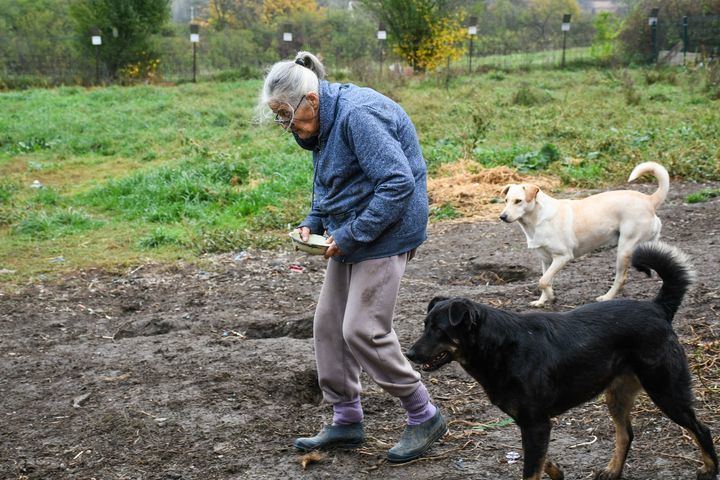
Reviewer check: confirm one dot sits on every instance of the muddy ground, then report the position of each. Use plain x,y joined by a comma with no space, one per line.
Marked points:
188,372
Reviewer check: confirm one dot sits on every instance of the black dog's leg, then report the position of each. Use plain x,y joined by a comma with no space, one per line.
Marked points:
620,398
684,415
535,439
669,387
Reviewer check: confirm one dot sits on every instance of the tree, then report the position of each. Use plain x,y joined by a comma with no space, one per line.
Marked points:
126,27
607,27
273,9
30,34
423,32
545,17
234,13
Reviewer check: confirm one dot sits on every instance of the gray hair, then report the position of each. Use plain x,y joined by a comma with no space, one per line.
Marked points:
288,81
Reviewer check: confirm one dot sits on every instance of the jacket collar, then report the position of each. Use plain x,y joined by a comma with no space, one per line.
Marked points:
329,95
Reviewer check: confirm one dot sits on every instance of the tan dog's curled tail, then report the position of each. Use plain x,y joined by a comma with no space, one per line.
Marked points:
662,176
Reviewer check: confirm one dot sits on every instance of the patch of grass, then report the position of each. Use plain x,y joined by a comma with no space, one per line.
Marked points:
703,195
444,212
584,174
712,80
44,225
632,96
7,192
209,240
528,96
192,189
46,196
33,144
160,237
500,156
539,160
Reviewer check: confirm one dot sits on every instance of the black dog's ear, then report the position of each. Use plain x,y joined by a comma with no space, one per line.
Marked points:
459,312
435,301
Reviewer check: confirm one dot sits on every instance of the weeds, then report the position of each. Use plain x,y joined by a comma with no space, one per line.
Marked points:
475,133
539,160
444,212
703,195
632,97
528,96
712,80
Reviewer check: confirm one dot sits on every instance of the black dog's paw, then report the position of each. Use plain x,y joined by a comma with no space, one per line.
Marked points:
606,475
705,475
554,471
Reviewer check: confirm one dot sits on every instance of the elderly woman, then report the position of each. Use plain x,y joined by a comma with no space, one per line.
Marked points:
370,197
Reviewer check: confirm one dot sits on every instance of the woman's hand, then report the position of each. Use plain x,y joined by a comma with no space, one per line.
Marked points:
304,233
333,250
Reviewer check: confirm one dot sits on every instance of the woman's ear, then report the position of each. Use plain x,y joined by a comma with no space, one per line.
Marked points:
313,99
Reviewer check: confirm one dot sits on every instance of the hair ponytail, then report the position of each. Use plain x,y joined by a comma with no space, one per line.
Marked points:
310,61
288,81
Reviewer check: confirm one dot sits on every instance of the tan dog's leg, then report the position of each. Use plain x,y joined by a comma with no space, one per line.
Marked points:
621,266
546,280
624,252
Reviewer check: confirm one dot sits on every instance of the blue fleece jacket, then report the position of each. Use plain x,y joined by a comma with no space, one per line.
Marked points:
370,178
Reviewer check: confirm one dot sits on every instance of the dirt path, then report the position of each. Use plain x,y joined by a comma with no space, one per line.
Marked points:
188,373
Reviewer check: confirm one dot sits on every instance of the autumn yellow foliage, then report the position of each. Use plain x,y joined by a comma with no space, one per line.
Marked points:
275,8
446,40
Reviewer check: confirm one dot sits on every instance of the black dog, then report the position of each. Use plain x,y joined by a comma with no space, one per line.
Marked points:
534,366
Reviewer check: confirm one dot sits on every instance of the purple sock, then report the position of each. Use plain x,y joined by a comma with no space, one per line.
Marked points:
418,406
347,413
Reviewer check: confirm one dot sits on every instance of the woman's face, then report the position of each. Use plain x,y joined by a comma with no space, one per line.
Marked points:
302,119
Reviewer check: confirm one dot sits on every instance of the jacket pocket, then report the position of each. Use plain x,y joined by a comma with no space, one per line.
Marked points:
335,221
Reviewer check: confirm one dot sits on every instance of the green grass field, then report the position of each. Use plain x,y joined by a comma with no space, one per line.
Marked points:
113,177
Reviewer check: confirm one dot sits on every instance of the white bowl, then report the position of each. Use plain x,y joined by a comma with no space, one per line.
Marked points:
314,246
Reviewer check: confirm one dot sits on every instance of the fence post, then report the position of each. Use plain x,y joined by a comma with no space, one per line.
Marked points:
194,39
381,36
685,38
472,31
652,20
565,29
97,41
287,38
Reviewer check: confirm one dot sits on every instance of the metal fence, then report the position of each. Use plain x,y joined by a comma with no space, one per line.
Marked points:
696,35
233,54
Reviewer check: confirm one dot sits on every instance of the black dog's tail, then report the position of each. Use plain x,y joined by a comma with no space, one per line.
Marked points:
672,266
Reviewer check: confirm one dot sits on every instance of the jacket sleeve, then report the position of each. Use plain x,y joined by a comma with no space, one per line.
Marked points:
372,134
314,223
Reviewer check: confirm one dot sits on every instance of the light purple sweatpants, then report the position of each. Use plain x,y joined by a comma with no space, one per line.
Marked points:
353,330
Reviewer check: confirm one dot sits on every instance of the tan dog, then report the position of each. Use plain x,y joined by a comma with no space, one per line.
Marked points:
560,230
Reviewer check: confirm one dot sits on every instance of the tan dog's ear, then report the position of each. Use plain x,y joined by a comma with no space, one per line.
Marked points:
531,192
505,190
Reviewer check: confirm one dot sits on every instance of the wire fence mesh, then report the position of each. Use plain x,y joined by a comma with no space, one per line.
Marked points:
237,54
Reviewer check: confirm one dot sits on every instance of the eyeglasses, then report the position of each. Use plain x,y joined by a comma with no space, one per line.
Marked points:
285,119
